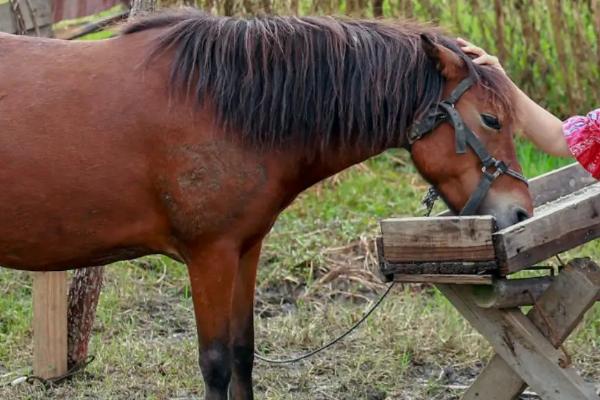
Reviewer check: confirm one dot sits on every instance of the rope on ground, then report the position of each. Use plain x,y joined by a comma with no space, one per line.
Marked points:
331,343
48,383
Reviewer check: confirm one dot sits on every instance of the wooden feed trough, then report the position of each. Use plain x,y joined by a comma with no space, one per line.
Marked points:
469,261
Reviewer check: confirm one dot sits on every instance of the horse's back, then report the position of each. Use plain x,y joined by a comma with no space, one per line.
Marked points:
100,163
75,160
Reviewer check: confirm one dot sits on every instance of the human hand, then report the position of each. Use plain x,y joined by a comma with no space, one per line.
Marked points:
481,56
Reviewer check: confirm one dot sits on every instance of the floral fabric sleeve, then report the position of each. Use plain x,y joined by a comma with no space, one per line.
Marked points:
583,137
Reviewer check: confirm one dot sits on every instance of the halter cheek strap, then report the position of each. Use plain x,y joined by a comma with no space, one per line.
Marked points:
445,111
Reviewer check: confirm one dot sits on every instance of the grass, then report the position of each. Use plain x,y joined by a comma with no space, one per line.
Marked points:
315,280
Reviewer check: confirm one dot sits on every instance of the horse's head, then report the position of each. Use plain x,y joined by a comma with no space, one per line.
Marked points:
464,146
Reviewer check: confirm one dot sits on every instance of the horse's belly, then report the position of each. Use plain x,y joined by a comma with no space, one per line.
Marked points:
61,240
66,220
43,261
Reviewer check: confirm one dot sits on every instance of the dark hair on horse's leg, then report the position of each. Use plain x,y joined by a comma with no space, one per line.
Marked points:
242,325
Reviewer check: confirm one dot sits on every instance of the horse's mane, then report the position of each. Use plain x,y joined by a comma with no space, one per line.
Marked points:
310,81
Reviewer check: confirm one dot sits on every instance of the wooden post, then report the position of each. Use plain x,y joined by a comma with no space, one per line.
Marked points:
49,324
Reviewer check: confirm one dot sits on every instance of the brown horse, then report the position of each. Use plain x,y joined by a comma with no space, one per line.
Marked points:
188,134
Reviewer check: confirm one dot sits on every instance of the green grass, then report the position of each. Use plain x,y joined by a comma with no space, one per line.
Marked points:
534,162
78,22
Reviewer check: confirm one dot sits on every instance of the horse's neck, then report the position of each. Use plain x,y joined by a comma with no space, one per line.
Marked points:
306,170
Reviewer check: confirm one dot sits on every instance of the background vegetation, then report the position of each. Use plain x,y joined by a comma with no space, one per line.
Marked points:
550,47
317,272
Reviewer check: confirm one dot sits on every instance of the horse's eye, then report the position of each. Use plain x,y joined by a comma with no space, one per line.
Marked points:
491,122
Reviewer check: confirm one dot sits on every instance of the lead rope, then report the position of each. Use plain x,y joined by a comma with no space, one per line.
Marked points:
48,383
332,342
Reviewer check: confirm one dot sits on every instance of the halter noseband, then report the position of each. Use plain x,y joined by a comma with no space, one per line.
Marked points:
444,111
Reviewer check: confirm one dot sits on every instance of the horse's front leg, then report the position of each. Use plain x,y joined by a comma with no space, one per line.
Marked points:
212,273
242,325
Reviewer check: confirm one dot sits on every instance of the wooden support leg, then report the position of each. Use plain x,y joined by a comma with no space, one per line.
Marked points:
49,324
562,306
523,348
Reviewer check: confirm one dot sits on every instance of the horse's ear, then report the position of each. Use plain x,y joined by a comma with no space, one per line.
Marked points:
448,62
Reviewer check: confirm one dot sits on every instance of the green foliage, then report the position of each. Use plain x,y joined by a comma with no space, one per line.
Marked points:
534,162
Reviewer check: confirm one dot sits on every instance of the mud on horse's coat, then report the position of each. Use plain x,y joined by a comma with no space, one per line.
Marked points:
189,134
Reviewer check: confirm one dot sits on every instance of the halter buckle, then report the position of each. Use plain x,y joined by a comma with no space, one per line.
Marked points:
500,167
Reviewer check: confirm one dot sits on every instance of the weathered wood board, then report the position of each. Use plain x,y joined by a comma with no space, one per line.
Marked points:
561,306
558,183
438,239
558,226
523,348
50,324
43,15
457,279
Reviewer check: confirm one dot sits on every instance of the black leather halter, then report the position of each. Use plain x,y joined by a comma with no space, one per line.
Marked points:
444,111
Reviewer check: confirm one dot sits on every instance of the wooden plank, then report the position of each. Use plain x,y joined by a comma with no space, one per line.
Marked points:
510,293
580,276
438,239
558,183
559,226
42,11
517,340
49,324
563,304
445,278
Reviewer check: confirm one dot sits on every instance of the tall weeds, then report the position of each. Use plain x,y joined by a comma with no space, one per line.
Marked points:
549,47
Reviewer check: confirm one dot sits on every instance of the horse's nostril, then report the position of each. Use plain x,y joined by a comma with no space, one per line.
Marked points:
521,214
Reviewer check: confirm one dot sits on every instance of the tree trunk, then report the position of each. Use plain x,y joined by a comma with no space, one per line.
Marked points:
267,7
209,5
351,7
142,7
228,6
502,53
378,8
294,6
556,18
595,5
408,8
83,299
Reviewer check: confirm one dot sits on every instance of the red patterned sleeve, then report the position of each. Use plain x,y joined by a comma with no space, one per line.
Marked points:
583,137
